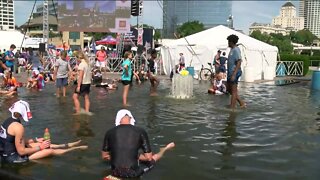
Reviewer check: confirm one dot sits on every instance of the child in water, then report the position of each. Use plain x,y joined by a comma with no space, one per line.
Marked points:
36,80
218,87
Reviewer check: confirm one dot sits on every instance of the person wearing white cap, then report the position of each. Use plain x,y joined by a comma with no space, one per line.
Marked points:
123,143
15,149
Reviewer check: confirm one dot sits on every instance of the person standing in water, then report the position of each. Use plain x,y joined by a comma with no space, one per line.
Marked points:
151,73
83,83
234,71
126,76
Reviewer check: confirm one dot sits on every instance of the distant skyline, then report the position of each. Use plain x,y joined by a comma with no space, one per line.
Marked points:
244,12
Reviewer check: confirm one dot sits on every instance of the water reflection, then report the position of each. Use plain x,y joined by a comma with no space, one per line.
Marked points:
228,137
81,126
151,120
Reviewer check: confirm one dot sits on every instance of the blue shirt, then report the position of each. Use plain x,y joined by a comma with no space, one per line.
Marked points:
233,58
10,55
124,76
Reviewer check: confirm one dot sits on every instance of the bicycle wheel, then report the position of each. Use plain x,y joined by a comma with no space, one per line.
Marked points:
205,74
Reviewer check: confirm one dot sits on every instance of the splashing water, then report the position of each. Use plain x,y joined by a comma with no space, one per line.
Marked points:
182,87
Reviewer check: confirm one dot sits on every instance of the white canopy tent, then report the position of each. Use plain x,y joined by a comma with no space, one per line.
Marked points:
259,58
10,37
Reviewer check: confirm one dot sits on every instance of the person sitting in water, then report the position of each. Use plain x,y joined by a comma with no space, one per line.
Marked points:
36,80
10,84
121,147
15,149
96,76
218,86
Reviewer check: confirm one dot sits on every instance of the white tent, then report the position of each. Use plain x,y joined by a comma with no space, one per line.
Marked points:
258,58
10,37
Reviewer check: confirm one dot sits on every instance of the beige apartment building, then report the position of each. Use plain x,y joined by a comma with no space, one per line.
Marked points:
288,18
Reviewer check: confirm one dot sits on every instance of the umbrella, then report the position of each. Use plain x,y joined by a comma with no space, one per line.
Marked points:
109,40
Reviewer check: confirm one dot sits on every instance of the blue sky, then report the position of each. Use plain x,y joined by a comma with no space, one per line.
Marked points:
245,12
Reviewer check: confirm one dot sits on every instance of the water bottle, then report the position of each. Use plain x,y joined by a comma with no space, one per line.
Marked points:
46,135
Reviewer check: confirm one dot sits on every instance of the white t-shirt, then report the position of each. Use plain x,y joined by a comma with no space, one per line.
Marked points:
86,72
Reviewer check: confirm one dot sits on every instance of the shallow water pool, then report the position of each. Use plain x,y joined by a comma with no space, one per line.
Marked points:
276,137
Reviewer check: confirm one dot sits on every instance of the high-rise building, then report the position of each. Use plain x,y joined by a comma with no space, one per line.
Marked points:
7,15
288,18
310,10
210,13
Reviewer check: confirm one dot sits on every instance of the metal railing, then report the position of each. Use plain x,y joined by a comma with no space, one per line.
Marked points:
289,68
315,63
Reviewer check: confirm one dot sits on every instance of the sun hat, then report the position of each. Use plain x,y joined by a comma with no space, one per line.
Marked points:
21,107
121,113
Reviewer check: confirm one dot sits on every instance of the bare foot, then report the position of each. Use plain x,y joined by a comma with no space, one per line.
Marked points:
126,105
74,143
82,147
76,114
153,94
170,146
243,105
89,113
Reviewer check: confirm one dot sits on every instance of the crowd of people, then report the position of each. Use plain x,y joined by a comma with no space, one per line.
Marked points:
14,148
122,143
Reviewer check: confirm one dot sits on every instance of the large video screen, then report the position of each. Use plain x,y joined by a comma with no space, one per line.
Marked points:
94,16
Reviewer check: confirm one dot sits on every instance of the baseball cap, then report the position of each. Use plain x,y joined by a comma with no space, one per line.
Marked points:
21,107
121,113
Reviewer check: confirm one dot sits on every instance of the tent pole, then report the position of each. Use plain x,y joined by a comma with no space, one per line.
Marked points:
192,52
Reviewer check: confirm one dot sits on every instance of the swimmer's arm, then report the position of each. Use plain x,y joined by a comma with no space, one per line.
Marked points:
20,142
126,69
145,157
105,155
55,72
81,72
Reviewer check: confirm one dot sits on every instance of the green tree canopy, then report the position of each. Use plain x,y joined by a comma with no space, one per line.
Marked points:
304,37
282,42
189,28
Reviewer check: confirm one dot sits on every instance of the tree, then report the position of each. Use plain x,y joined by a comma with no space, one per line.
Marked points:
259,36
304,37
282,42
189,28
157,34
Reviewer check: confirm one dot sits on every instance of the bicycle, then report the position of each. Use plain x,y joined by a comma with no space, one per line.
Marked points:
206,73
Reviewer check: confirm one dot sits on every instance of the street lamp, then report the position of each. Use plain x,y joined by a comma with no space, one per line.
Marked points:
230,21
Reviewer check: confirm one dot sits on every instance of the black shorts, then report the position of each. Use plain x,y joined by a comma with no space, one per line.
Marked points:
144,166
14,158
126,83
84,89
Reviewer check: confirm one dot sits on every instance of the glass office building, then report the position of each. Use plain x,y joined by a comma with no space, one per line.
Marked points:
210,13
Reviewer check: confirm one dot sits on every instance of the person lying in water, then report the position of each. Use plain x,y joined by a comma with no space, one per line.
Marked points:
122,144
15,149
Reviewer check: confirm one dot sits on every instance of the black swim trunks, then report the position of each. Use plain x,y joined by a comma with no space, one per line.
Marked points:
144,166
84,89
126,82
14,158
